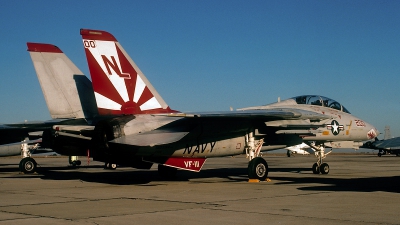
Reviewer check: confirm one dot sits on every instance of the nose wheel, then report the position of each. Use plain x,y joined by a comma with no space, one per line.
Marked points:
324,168
315,168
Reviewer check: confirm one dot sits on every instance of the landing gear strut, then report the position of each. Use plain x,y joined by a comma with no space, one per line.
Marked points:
27,164
258,167
319,166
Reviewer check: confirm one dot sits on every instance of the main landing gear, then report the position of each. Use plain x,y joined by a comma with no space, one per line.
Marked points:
27,164
258,167
74,161
319,166
110,166
384,152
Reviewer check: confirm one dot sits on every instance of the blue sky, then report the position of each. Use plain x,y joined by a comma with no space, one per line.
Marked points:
210,55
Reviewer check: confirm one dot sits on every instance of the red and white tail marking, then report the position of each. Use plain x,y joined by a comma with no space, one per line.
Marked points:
119,85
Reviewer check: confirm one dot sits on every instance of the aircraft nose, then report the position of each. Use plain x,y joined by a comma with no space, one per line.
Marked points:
372,132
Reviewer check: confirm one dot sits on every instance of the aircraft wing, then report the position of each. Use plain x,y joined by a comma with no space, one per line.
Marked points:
393,143
261,114
152,138
167,136
13,133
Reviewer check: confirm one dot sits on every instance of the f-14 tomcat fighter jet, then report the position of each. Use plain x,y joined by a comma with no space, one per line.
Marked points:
63,86
139,128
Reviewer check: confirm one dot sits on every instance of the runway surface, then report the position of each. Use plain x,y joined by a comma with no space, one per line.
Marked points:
360,189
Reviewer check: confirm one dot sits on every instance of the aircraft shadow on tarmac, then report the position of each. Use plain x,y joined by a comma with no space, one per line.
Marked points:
326,183
124,176
150,177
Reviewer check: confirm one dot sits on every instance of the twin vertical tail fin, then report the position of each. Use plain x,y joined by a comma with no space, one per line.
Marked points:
119,85
67,91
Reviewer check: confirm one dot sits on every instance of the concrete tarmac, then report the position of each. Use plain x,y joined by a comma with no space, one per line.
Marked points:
360,189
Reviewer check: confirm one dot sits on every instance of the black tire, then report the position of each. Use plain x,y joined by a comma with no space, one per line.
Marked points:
27,165
315,168
324,168
78,162
166,171
379,154
258,169
112,166
288,153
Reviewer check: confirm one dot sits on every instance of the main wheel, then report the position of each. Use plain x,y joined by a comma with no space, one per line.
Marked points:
110,166
288,153
324,168
166,171
258,169
379,154
27,165
315,168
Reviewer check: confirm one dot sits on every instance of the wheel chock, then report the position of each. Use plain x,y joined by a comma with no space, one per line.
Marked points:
257,180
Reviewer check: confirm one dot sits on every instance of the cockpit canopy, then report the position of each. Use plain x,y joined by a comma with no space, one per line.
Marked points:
321,101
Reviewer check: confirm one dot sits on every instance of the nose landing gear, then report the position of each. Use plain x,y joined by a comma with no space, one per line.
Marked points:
319,166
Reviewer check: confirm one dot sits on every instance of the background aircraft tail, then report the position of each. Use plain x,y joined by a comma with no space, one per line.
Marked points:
119,85
388,135
67,91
